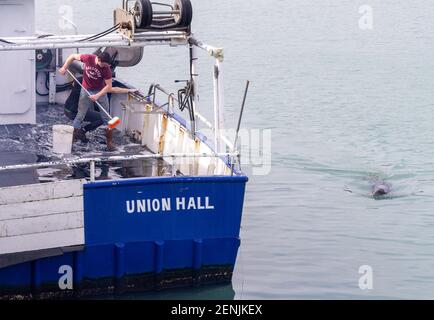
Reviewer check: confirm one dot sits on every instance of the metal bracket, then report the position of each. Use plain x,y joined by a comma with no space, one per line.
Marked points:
147,108
126,21
52,88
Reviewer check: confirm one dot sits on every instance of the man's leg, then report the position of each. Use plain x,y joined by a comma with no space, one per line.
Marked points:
95,119
83,107
70,115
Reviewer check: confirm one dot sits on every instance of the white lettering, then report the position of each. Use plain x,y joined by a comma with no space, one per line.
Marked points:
141,206
366,22
180,310
180,204
130,206
199,204
166,204
191,204
366,281
156,205
65,281
66,21
207,205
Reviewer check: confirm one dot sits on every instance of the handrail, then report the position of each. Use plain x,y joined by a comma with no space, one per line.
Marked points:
171,96
116,158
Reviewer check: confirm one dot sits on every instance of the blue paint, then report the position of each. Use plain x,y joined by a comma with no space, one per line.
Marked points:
36,276
78,267
120,244
110,222
19,275
159,256
139,257
120,260
198,249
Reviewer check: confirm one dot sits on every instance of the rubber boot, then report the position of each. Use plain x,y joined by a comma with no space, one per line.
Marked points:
79,134
109,137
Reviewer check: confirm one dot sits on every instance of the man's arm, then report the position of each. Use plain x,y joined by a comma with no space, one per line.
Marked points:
108,88
68,62
123,90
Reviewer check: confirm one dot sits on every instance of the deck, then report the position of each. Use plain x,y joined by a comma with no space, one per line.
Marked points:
26,144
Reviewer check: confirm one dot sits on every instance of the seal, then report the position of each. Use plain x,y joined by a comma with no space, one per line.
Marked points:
381,188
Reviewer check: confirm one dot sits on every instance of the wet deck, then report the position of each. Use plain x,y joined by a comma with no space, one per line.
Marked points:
25,144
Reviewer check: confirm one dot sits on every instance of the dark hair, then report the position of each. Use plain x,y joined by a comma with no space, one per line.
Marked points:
105,57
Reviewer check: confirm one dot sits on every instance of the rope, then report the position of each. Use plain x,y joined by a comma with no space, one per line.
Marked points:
4,41
91,38
101,34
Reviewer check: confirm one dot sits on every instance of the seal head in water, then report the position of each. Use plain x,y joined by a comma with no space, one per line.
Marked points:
381,188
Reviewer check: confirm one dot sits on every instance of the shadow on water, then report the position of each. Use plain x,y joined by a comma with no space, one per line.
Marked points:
215,292
207,292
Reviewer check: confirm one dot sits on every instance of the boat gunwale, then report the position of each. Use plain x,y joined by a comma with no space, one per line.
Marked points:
162,180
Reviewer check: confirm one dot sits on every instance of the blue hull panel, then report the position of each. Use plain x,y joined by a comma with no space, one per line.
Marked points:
142,234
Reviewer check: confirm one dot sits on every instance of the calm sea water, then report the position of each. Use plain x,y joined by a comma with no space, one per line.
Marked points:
344,105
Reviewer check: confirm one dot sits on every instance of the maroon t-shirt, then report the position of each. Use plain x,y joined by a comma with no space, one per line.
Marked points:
94,76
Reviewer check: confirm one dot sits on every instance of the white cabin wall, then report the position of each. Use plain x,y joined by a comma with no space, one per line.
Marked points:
17,81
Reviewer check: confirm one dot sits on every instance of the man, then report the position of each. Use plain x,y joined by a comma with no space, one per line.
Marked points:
97,79
93,116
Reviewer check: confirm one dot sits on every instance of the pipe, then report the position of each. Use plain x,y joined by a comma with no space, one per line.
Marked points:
218,104
116,41
241,114
116,158
67,38
212,51
193,77
216,108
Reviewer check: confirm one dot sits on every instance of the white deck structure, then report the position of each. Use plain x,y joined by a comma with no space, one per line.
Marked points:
17,84
43,216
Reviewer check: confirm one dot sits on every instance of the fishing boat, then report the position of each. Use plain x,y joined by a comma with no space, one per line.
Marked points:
163,211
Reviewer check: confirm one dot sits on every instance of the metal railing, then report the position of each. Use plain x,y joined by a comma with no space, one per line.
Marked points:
93,161
171,98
